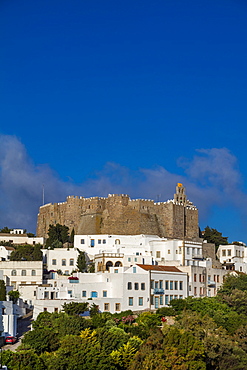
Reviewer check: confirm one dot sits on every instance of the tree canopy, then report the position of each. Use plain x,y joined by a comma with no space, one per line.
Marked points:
57,236
214,236
27,252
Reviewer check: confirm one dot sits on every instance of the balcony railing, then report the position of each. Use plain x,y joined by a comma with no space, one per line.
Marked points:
211,284
159,291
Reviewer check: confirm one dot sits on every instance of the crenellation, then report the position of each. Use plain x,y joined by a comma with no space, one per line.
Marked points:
118,214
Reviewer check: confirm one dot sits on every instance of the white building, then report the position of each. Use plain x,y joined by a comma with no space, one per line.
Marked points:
204,280
16,273
139,287
161,250
16,238
233,257
63,259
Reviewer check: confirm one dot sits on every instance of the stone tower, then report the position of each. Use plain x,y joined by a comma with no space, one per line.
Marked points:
118,214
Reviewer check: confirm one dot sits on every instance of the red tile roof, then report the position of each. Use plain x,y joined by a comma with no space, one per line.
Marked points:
159,268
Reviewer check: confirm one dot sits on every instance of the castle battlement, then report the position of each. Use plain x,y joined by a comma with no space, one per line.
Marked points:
118,214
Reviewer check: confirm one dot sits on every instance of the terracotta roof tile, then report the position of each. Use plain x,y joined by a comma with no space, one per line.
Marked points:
159,268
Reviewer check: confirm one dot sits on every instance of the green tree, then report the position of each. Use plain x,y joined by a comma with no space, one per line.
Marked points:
75,308
81,261
27,252
233,282
57,235
72,236
2,291
5,230
14,295
214,236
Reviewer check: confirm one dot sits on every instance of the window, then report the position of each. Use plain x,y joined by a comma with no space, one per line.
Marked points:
180,285
171,297
82,241
140,301
180,297
135,259
167,284
136,286
180,250
99,241
152,299
94,294
166,299
66,272
45,309
218,278
63,262
223,252
142,286
161,300
129,286
117,307
175,297
171,285
240,268
23,272
71,262
84,293
134,270
117,241
13,272
92,243
195,291
70,293
106,307
130,301
169,251
55,309
157,254
175,285
194,277
129,259
104,241
188,250
152,284
54,262
33,273
46,295
229,252
115,271
104,293
34,293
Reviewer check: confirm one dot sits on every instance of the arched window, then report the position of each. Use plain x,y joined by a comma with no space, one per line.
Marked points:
108,265
23,272
117,241
118,264
13,273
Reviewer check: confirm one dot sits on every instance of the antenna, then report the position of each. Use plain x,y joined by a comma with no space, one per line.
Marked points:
43,194
158,197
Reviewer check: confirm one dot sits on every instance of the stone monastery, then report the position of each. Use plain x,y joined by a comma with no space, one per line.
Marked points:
120,215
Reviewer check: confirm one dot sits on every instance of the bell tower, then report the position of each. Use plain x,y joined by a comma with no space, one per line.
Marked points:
180,196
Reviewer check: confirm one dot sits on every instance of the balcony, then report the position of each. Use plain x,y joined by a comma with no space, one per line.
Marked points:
196,256
211,284
159,291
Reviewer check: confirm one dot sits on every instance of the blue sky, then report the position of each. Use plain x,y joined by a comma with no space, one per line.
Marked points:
131,97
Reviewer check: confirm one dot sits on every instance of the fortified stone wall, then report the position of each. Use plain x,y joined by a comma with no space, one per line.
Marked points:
118,214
